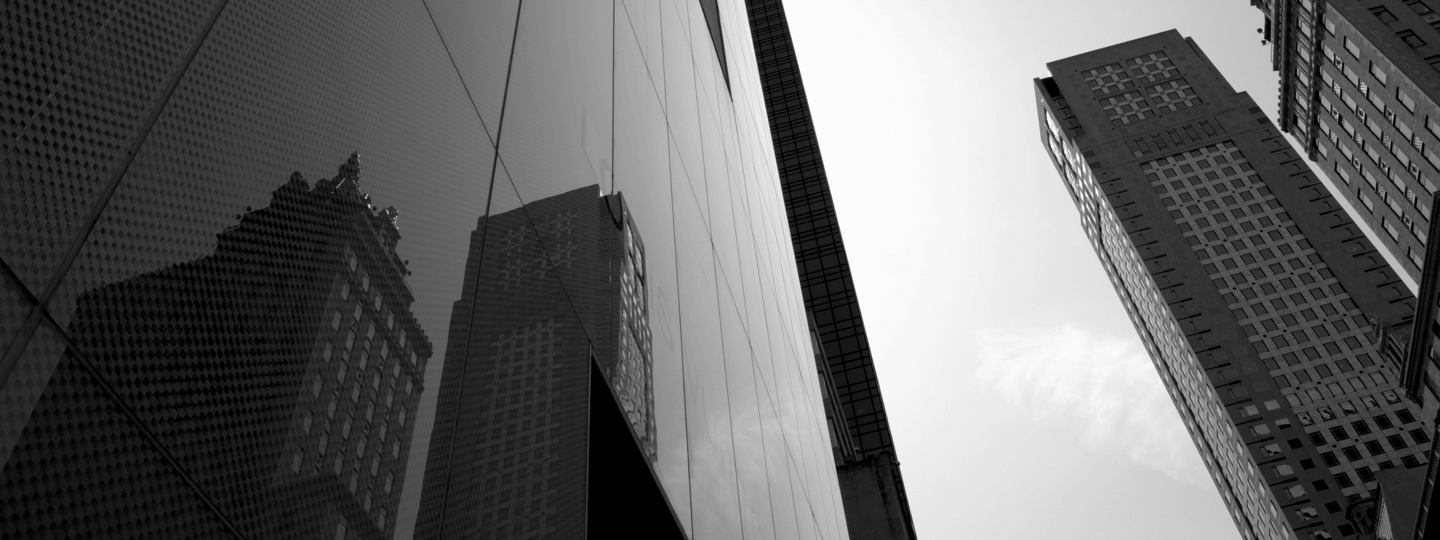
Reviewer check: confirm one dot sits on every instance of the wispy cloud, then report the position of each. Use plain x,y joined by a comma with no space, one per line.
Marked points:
1104,385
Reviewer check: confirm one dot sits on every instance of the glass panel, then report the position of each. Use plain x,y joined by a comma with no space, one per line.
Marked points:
712,461
642,19
681,107
65,133
478,36
15,305
804,508
642,176
559,115
80,448
753,482
777,462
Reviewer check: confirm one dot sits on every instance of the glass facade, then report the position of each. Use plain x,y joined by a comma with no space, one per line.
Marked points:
266,265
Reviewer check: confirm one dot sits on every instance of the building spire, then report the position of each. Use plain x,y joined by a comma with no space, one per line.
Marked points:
350,170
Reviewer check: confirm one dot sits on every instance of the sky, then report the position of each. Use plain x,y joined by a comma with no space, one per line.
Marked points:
1021,400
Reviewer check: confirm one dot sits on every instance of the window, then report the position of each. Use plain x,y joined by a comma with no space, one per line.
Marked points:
1361,427
1410,39
1365,474
1377,72
1374,448
1353,49
1383,14
1396,441
1419,7
1405,99
1383,421
1330,459
1343,479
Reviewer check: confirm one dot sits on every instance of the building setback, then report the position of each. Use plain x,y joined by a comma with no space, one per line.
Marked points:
876,504
283,371
1268,314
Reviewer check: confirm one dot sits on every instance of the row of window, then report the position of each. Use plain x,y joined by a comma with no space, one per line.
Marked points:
1216,183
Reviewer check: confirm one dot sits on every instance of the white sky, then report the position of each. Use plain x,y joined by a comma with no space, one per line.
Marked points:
1022,403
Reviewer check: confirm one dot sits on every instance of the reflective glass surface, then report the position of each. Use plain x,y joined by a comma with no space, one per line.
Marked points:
344,270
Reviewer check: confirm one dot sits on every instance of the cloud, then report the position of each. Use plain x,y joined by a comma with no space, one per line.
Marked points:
1106,386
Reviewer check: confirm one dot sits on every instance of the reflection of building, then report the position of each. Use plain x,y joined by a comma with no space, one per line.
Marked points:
519,419
1251,289
282,371
876,504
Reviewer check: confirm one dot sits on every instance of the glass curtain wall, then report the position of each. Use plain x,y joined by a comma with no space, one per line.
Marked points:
237,234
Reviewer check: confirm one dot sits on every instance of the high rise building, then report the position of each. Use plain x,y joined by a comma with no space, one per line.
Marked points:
876,504
1254,293
133,135
298,434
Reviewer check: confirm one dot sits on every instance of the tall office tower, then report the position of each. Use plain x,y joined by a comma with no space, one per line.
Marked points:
1252,290
876,505
133,134
294,436
555,291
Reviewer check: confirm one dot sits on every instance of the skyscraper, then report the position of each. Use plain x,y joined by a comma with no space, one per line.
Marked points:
876,504
299,435
1255,295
